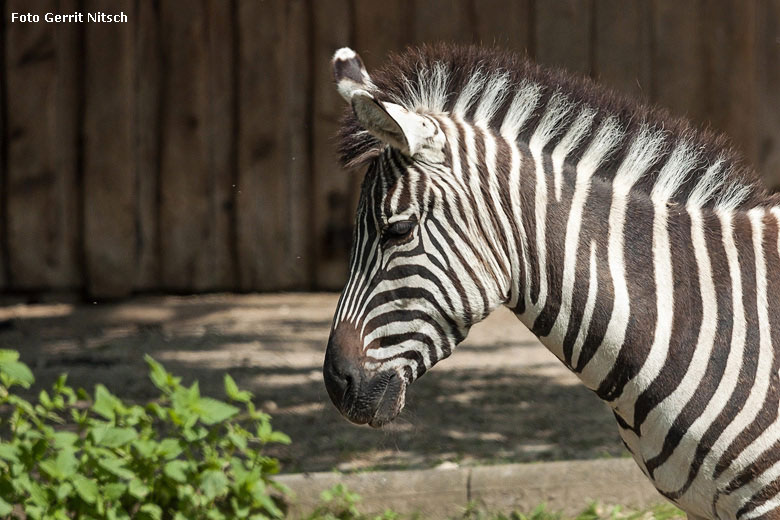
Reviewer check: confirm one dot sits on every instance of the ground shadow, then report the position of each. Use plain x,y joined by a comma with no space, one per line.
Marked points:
463,414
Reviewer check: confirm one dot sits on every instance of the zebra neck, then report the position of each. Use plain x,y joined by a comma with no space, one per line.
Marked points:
617,283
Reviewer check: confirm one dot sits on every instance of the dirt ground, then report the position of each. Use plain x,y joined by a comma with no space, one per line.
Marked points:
501,397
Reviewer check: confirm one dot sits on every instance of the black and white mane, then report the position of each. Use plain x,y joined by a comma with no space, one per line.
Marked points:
447,79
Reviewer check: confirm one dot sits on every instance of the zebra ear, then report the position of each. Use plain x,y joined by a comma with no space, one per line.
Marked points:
349,72
390,123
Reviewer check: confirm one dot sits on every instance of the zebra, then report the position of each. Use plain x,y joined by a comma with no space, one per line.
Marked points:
640,250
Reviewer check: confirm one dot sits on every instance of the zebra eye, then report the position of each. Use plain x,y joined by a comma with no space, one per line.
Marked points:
399,229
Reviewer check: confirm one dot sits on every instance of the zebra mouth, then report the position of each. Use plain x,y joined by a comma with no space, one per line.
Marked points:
375,401
390,402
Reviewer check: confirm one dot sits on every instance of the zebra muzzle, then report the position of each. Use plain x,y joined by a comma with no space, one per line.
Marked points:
363,397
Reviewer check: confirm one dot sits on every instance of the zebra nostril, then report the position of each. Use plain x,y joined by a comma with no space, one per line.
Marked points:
348,381
343,369
341,376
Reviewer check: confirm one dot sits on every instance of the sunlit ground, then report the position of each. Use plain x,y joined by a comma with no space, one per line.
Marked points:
501,397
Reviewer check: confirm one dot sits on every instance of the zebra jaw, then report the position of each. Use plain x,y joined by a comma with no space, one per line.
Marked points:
362,395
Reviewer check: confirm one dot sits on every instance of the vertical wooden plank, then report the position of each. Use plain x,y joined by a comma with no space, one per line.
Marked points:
768,78
220,136
297,148
563,34
273,208
195,166
621,50
3,151
677,69
333,221
42,99
381,28
444,20
109,167
147,138
259,187
729,55
504,24
185,227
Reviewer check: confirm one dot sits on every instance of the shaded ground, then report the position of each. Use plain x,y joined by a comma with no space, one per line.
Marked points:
501,397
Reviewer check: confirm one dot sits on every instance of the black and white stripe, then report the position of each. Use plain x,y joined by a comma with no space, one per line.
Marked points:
637,248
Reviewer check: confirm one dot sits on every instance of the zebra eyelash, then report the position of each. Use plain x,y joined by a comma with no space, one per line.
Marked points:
399,229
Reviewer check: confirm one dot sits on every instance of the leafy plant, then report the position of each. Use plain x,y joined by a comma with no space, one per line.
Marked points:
339,503
181,456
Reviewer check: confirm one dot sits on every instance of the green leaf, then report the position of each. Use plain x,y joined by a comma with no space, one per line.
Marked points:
279,437
8,356
44,399
65,439
66,463
213,483
113,436
238,440
195,434
64,490
177,470
152,511
157,373
117,467
137,488
213,411
269,505
146,448
232,391
49,467
114,490
9,452
38,494
5,507
169,448
86,488
18,372
106,403
158,411
264,431
215,514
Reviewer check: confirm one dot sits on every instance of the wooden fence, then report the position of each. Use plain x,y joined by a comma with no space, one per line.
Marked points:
190,149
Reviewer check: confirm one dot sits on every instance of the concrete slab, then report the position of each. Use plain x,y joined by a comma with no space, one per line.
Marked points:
565,486
431,493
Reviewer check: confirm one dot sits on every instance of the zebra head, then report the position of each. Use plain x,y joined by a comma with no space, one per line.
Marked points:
413,289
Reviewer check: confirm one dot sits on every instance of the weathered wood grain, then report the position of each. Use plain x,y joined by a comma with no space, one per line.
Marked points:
274,146
258,191
42,195
444,20
504,24
220,135
191,149
678,72
3,155
332,222
730,83
381,28
195,169
563,34
109,154
298,262
185,226
148,135
621,46
768,84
